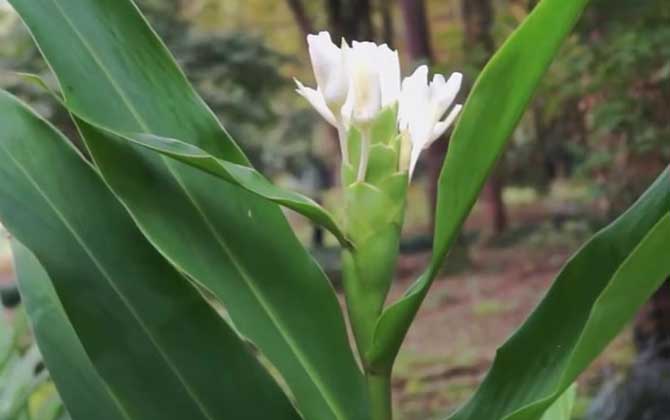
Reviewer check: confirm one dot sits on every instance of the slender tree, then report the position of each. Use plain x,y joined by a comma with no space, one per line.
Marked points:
301,18
417,30
479,46
652,326
385,8
420,50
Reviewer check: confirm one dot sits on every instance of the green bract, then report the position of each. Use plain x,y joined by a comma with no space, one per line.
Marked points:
128,258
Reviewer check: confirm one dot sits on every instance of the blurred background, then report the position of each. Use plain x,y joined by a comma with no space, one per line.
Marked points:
595,136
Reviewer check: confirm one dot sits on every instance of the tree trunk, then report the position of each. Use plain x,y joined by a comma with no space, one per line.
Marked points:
477,23
652,326
361,19
301,17
388,30
335,19
479,46
494,202
417,31
350,19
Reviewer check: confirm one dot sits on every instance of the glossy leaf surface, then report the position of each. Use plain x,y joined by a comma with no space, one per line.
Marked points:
84,392
562,407
598,291
139,320
116,74
243,176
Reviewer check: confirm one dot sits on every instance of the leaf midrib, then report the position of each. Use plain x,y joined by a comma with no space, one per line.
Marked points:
309,369
274,318
100,267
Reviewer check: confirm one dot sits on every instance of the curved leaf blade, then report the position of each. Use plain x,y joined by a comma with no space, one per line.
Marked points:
598,291
233,243
243,176
140,321
493,109
562,407
84,393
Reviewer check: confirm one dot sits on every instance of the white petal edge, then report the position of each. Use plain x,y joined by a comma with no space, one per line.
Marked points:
438,131
363,100
443,126
388,66
444,93
414,95
414,158
323,54
315,98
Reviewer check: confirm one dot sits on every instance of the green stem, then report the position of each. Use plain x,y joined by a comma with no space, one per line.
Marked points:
365,154
379,388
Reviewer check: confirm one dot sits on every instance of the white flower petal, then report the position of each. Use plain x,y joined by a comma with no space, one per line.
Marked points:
439,130
444,93
418,79
414,112
422,104
413,95
355,82
443,126
388,66
328,65
364,97
315,98
437,84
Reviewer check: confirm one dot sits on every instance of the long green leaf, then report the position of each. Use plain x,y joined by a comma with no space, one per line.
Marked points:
495,105
562,407
243,176
85,394
164,352
116,74
598,291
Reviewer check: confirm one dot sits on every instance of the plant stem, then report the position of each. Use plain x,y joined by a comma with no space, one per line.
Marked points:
364,156
344,146
379,388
